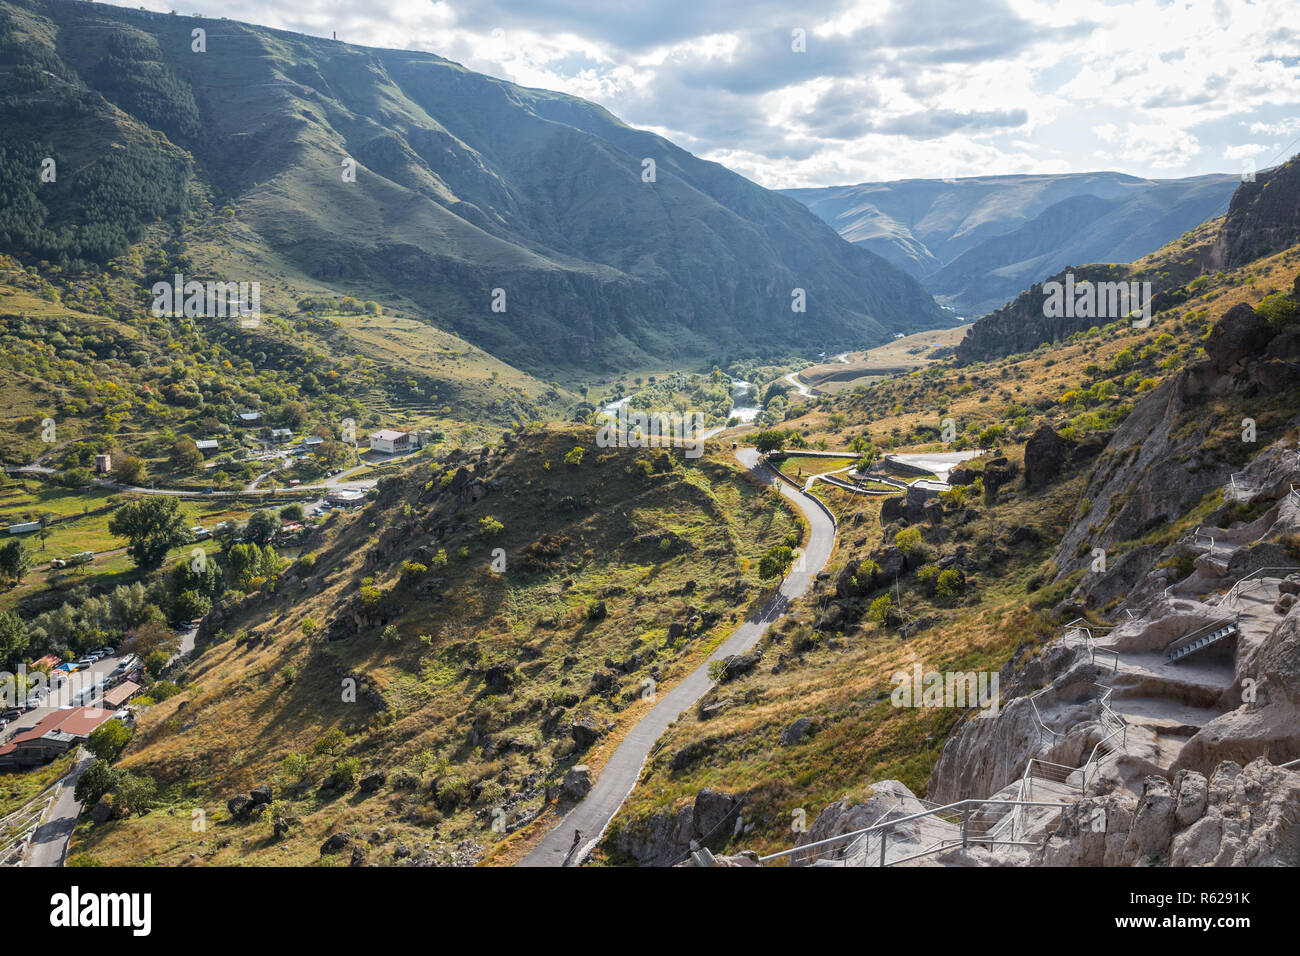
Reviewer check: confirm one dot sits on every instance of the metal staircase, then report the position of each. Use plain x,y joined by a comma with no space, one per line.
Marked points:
1202,638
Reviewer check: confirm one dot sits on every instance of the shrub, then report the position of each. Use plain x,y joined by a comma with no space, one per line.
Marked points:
881,610
330,742
345,772
950,585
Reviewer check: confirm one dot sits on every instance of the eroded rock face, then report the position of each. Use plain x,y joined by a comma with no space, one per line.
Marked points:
1241,333
667,838
1266,721
1046,453
1239,817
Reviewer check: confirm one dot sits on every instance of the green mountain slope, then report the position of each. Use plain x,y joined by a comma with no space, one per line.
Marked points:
464,185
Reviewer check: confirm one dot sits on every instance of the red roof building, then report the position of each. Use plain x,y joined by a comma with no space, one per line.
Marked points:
55,734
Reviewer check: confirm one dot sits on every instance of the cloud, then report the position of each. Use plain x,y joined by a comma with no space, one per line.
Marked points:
877,84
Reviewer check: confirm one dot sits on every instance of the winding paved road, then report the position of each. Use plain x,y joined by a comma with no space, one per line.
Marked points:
620,773
49,846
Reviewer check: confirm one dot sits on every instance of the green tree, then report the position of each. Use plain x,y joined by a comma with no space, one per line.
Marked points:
130,470
97,779
770,440
135,794
186,455
13,640
776,562
190,606
108,740
262,526
15,561
153,526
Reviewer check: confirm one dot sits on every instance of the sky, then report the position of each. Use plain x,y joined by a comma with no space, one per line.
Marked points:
830,92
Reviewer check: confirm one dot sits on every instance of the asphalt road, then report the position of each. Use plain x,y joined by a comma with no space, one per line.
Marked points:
620,774
49,843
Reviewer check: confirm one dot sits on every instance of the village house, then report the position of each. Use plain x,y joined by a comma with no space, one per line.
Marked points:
55,734
390,442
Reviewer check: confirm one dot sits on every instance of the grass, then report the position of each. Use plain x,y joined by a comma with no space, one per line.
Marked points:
440,722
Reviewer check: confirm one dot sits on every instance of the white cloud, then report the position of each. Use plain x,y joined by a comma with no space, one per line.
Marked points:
885,91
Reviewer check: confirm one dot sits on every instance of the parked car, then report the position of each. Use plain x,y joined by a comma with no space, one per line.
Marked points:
13,713
108,651
94,656
84,664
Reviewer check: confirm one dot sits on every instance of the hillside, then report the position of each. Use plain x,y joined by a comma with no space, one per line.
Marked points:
475,689
1260,222
1110,438
463,185
975,243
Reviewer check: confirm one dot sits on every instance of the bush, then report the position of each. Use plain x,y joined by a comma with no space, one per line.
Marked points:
345,772
950,585
909,539
163,690
881,610
330,742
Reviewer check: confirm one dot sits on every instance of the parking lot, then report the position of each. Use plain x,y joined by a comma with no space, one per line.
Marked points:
100,669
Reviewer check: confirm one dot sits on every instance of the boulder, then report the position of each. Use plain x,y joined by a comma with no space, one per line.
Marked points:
1240,334
796,732
1046,453
239,805
102,811
577,782
335,843
738,665
260,795
373,781
499,678
585,732
712,809
1153,821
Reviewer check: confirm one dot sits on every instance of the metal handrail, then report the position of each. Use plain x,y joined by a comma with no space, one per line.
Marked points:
890,824
1179,642
1235,591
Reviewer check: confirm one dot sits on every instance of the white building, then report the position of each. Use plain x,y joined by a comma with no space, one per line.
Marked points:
390,442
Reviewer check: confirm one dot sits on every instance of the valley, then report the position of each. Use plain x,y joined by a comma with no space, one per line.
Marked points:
557,497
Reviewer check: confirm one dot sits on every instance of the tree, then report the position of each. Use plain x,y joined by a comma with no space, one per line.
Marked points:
150,638
135,794
292,512
15,561
186,455
153,526
98,779
190,606
262,526
770,440
108,740
130,470
156,662
13,640
776,562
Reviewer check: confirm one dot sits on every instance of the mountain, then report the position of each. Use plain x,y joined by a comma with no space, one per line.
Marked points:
464,185
976,243
1262,219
